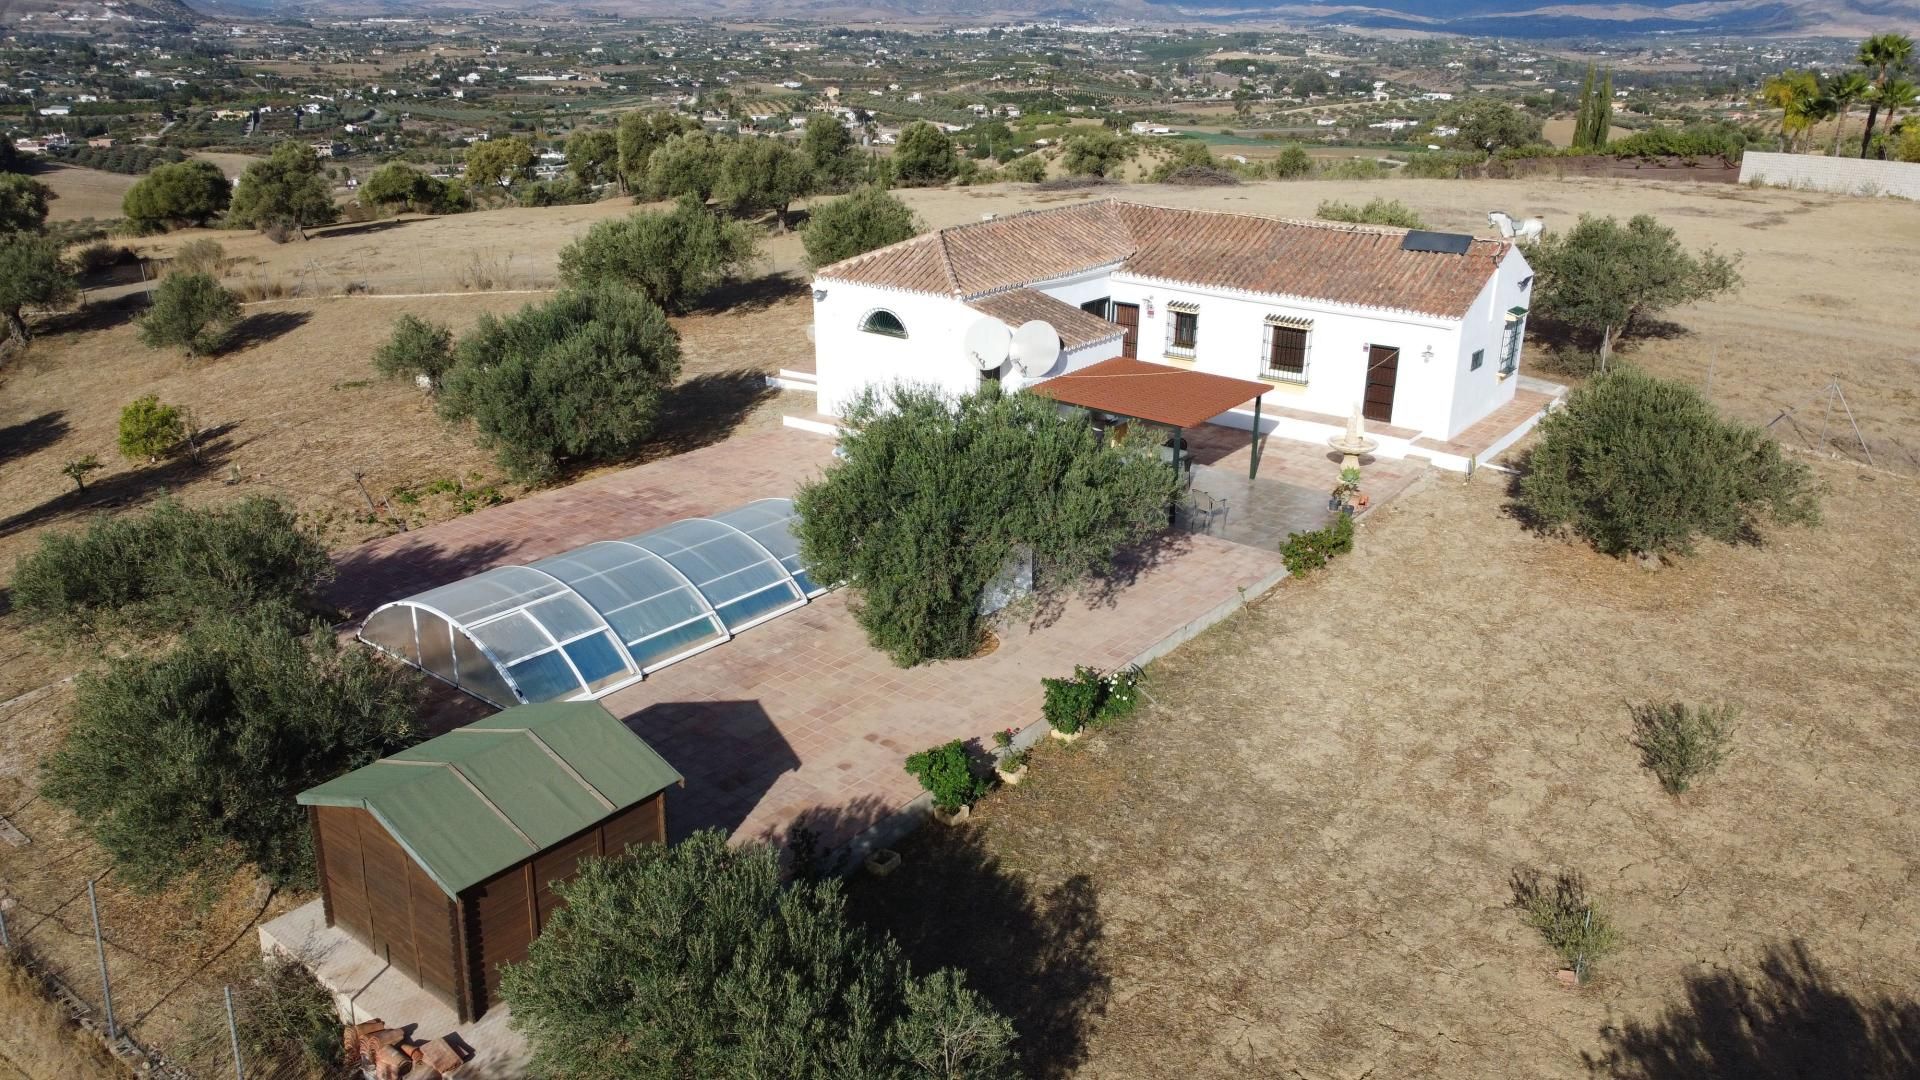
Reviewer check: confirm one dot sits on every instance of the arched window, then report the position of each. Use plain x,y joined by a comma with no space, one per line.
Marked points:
882,321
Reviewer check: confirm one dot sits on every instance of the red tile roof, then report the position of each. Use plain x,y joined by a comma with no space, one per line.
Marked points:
1359,265
1076,327
1144,390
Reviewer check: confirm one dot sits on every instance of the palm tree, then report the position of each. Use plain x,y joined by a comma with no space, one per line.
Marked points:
1845,91
1885,55
1796,94
1896,95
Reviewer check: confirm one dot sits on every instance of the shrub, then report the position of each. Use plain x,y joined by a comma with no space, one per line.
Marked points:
1635,464
1305,552
855,224
1071,704
1290,164
1375,212
417,349
1441,165
168,568
935,497
150,430
1026,169
186,765
1095,152
1119,694
1353,168
202,256
578,378
283,1015
724,972
947,773
1573,924
191,311
674,257
1680,744
32,274
177,196
100,255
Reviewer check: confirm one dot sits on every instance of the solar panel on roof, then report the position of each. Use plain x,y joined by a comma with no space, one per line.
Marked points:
1443,243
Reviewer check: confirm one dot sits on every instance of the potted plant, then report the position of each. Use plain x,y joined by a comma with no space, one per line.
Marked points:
946,771
1012,767
883,861
1346,496
1070,704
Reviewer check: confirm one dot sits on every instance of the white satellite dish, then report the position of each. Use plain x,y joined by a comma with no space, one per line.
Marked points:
1036,348
986,342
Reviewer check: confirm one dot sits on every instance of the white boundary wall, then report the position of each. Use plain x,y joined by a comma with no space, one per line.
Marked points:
1841,175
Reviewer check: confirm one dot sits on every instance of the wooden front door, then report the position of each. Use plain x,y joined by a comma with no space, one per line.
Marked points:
1128,318
1383,368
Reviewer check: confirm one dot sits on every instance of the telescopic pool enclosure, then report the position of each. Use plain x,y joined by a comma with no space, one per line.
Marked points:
585,623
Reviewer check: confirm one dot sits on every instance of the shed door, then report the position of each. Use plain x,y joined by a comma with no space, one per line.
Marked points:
1128,318
1383,369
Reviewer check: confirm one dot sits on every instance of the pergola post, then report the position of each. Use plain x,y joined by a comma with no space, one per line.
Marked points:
1253,467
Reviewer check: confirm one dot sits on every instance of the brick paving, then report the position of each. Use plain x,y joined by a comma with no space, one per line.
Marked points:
1473,442
798,718
1289,495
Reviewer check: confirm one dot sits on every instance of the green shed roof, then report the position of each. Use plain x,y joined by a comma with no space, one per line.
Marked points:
479,799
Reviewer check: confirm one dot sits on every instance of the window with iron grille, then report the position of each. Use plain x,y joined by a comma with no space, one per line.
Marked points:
1184,333
1479,357
1510,345
882,321
1286,354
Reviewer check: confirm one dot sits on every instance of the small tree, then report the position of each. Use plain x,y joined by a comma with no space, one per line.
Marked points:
32,274
396,186
169,568
763,174
592,156
935,497
1391,212
830,152
638,135
1573,924
177,196
579,378
78,469
23,203
187,764
867,219
685,164
1599,276
192,312
1635,464
695,961
1490,125
924,156
497,163
1290,164
674,257
1680,744
1094,152
416,350
150,430
285,193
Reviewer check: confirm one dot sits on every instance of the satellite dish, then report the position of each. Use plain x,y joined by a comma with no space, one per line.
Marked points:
1036,348
985,343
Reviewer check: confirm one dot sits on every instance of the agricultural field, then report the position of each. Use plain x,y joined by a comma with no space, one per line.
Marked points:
80,193
1452,703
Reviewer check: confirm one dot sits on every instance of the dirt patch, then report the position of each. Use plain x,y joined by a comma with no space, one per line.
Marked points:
1295,860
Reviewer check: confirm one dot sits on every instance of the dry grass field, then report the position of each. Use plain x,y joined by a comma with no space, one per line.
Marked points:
1296,860
83,193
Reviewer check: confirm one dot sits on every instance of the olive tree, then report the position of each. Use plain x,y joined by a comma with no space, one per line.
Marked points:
285,193
685,164
934,497
637,136
1645,466
694,962
177,196
578,378
497,163
763,174
675,257
417,350
1490,125
32,274
1095,152
1600,276
830,152
867,219
189,311
185,764
23,203
592,156
924,156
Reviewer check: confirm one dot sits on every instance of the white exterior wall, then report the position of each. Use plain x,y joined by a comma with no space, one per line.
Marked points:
1080,288
1477,393
848,359
1842,175
1232,334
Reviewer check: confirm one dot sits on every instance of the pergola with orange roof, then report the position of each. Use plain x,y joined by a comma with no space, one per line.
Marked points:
1178,398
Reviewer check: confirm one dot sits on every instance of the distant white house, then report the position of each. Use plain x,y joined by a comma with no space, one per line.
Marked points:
1141,127
1423,330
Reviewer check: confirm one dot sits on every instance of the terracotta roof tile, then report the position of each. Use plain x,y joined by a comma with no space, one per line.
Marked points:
1076,327
1159,393
1316,260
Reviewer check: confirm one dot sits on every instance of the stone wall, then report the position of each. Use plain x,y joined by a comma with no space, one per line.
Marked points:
1843,175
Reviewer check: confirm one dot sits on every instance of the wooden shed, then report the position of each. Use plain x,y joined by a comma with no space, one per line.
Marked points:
441,858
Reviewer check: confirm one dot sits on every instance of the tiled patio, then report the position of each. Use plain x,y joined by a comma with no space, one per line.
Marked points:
1289,495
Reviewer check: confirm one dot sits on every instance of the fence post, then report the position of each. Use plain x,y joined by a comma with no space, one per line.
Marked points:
233,1033
6,942
100,948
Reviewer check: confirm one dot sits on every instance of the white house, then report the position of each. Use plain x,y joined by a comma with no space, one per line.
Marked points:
1423,330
